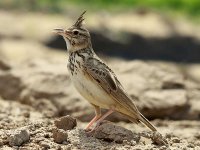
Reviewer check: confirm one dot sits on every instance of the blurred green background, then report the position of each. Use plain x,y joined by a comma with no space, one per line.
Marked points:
189,8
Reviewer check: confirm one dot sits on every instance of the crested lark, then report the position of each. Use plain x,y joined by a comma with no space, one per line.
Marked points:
94,80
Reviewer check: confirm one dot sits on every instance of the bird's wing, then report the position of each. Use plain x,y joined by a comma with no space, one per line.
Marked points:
106,78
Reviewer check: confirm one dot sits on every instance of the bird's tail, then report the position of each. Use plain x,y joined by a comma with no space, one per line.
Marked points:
147,123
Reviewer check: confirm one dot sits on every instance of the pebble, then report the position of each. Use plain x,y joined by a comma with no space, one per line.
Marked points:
111,132
66,123
45,144
19,137
59,135
190,145
175,140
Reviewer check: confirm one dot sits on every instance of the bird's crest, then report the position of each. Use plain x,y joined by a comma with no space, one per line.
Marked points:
79,21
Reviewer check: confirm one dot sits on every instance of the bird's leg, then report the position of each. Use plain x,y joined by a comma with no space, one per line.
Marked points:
102,118
97,116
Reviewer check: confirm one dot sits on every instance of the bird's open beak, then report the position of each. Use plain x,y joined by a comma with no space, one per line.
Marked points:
58,31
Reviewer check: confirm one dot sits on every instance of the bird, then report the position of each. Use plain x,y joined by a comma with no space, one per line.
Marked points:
94,80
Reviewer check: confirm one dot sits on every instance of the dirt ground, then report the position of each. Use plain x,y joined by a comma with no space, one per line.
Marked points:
16,117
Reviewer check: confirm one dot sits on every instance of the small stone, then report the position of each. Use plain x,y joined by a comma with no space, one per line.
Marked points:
133,143
27,114
19,137
111,132
190,145
59,135
175,140
45,144
156,137
65,123
197,143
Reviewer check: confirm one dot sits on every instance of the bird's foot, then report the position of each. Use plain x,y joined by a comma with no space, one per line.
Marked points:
91,131
87,130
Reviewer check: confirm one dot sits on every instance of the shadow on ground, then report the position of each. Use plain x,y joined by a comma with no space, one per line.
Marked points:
175,48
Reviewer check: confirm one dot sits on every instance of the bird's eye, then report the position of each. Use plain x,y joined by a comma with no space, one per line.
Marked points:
75,32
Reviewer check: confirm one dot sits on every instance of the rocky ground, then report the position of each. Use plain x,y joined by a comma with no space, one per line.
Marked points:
36,93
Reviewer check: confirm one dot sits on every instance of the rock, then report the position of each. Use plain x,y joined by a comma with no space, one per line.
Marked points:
190,145
46,107
65,123
164,103
11,86
19,137
44,80
156,137
193,71
148,76
110,132
24,50
194,103
4,65
47,81
160,88
59,135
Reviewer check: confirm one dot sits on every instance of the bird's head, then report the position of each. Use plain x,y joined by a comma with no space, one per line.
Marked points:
77,37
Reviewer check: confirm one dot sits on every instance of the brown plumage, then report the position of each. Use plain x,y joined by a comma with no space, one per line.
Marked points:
79,21
94,80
